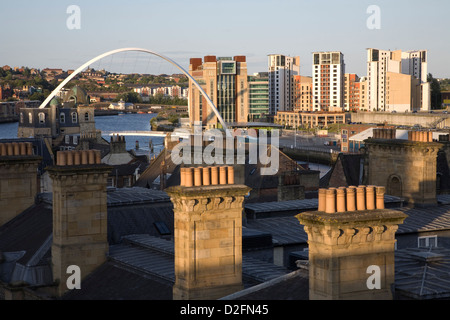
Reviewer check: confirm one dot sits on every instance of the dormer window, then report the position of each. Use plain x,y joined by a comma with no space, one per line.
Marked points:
74,117
62,118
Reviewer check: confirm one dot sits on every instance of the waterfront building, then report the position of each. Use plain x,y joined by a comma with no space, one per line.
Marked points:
225,81
71,116
282,70
310,119
397,81
328,80
302,93
258,88
352,92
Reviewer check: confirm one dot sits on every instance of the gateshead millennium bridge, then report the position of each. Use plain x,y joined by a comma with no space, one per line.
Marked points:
106,54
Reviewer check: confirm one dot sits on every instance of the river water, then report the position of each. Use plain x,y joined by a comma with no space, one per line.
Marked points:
122,123
126,123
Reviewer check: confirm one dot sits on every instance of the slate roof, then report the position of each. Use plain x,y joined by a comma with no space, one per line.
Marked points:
142,267
422,273
347,171
140,261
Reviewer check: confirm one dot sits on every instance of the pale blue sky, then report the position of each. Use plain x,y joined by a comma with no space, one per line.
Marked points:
34,32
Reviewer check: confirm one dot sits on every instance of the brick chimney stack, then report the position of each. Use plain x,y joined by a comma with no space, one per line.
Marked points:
208,233
18,178
79,213
351,234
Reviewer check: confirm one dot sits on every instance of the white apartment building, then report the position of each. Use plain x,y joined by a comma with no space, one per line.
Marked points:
415,63
328,69
282,70
383,65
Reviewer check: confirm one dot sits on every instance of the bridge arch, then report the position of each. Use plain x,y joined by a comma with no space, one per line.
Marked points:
106,54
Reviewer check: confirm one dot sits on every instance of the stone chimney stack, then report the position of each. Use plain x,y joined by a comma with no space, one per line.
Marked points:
18,178
208,233
79,213
351,241
407,168
118,144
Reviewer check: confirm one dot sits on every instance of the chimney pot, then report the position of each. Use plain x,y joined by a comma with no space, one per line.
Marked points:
322,200
10,149
214,176
360,198
69,158
223,175
3,150
380,197
230,175
331,200
182,176
84,157
77,158
340,200
206,176
197,177
189,182
23,149
370,198
351,198
61,158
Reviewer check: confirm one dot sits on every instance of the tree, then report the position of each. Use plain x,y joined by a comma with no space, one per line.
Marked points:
436,97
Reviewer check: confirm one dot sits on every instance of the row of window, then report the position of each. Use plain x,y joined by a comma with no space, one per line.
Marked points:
62,117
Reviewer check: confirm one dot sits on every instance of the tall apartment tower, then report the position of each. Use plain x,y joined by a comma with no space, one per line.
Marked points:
415,63
328,80
282,70
225,81
352,91
397,80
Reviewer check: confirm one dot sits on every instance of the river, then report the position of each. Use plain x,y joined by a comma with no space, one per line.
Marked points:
110,125
124,123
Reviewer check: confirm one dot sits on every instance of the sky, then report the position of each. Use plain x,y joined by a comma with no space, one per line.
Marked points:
35,32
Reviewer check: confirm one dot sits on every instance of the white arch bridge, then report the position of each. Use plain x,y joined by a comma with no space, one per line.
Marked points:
106,54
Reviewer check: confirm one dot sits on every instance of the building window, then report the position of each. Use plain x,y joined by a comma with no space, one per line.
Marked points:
62,118
110,182
86,116
427,242
74,117
30,117
394,186
41,116
21,117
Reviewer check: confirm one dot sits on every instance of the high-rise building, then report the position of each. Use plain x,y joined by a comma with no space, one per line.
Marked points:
352,91
407,71
282,70
224,80
258,88
328,80
415,63
302,93
363,94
